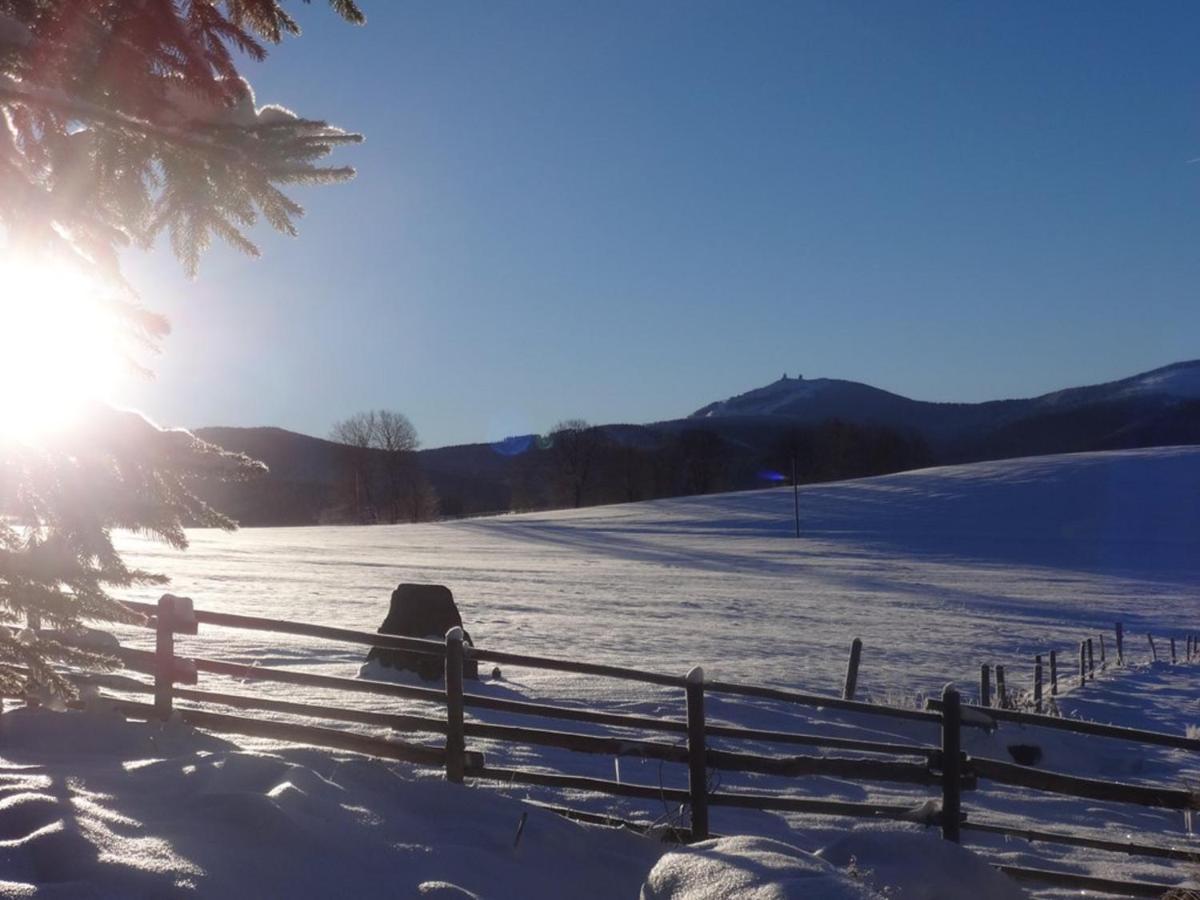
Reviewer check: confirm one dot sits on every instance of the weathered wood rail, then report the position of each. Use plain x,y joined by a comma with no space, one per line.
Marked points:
942,766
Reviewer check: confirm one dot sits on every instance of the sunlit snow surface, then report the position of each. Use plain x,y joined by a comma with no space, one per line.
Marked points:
936,571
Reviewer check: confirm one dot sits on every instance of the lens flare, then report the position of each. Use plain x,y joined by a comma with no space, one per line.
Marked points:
60,346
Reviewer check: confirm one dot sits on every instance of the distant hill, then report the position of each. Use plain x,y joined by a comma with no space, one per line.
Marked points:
835,428
1153,408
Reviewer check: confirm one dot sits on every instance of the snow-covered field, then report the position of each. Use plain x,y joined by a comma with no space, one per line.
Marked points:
936,571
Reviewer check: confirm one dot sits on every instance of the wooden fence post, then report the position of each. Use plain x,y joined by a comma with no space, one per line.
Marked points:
164,656
1172,650
1153,649
1103,662
1082,663
1091,661
697,754
1037,684
985,685
1120,644
852,669
951,763
1053,673
456,743
1001,689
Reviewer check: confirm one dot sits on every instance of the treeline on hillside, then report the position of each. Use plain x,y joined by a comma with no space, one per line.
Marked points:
580,465
372,472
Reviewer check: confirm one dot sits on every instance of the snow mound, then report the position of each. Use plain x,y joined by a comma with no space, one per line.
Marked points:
94,806
749,868
918,865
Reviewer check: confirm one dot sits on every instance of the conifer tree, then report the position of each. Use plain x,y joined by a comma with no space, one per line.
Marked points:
121,121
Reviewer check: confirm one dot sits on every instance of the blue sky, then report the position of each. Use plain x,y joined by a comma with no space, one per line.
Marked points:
623,211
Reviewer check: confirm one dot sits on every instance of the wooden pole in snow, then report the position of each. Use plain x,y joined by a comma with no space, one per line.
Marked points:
795,495
1153,649
852,669
1001,689
1120,644
951,763
456,743
1037,684
1053,673
697,754
1082,662
985,685
1091,661
1103,663
1172,651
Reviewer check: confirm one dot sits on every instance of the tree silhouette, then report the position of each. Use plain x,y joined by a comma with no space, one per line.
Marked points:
575,446
120,122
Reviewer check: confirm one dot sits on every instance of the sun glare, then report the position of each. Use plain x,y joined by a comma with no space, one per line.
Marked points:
60,347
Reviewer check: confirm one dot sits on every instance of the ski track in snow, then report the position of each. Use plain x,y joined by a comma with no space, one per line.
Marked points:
936,570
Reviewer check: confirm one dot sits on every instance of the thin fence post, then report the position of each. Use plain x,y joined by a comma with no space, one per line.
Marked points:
985,685
1001,689
852,669
1103,661
1120,644
1082,662
456,743
164,656
1153,649
1091,661
1053,673
697,754
951,763
1172,650
1037,683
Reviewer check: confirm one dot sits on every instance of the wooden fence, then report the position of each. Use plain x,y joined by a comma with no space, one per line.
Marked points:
1045,679
943,768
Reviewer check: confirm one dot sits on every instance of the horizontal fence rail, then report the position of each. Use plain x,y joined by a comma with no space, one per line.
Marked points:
1083,788
1079,726
682,742
1054,837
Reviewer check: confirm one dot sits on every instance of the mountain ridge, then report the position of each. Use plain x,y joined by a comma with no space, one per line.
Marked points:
838,428
812,400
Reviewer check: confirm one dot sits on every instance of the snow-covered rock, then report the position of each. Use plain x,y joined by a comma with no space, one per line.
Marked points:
749,868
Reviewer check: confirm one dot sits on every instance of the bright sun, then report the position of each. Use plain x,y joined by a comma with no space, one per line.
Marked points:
60,346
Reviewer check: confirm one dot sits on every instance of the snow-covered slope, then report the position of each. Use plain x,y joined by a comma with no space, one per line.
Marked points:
934,570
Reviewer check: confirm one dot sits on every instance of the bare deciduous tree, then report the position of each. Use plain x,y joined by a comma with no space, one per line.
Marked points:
357,435
381,459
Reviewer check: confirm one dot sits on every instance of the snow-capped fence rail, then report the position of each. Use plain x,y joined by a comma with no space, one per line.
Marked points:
944,767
